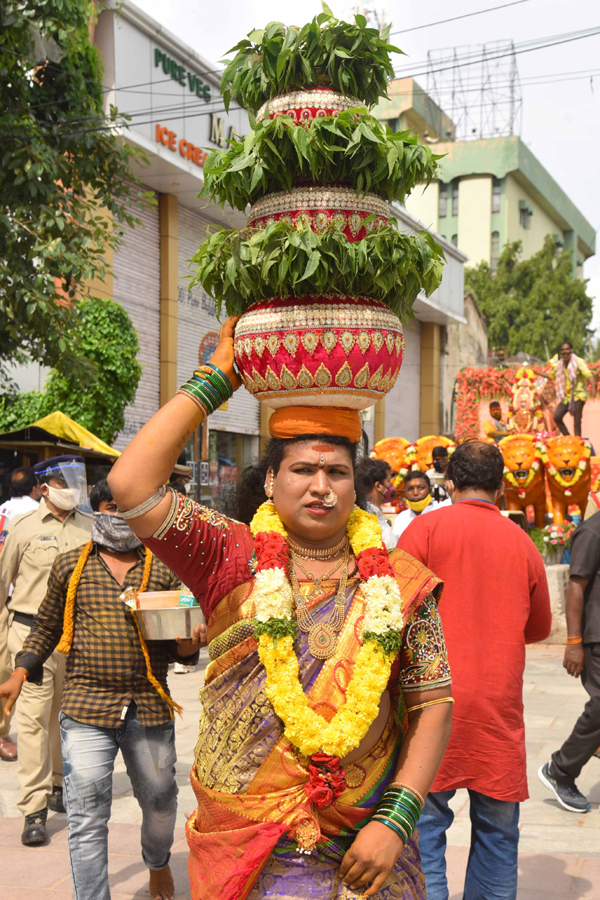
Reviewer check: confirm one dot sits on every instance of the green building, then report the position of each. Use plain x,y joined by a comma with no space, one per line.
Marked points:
490,192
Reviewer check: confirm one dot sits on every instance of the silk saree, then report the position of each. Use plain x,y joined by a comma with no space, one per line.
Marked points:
248,781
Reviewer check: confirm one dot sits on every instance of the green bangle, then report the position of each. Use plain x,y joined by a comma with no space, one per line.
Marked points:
398,809
403,797
217,379
399,831
205,397
204,384
206,379
222,375
387,801
195,399
398,818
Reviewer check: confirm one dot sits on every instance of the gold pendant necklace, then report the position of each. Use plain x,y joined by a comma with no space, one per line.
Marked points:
322,636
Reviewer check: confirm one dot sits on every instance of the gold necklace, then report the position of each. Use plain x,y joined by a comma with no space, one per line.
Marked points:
327,553
317,579
322,636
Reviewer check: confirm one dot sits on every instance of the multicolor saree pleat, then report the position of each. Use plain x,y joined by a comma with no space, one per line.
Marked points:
248,780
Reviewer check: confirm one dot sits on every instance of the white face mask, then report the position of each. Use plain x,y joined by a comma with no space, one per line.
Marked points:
64,498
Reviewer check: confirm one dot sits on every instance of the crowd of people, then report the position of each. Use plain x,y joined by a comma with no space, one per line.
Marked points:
447,712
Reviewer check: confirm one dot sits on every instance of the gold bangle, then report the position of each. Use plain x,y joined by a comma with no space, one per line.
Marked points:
407,787
430,703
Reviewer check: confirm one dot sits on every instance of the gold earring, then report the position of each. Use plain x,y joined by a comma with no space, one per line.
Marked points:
268,485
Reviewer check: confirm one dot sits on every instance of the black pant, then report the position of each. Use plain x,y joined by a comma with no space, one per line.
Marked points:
559,414
584,740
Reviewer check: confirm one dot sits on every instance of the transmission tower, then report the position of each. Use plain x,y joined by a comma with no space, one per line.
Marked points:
478,87
376,18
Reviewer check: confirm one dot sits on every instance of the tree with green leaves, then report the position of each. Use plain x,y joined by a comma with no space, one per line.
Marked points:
106,336
65,180
532,304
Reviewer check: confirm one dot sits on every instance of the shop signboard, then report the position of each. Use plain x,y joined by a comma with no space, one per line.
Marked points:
170,94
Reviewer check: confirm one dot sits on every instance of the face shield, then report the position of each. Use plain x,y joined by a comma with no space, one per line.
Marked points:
66,482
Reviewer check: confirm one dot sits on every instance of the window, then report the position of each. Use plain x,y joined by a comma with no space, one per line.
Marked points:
525,214
443,201
454,240
455,198
494,251
496,185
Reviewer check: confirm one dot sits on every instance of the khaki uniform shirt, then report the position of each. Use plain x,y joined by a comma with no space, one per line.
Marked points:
32,543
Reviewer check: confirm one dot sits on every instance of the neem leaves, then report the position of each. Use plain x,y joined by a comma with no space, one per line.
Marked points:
351,58
352,148
239,268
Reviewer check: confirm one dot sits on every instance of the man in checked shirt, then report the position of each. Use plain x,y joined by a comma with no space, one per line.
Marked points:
109,702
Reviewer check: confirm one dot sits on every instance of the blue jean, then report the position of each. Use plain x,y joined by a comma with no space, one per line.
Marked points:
88,762
492,869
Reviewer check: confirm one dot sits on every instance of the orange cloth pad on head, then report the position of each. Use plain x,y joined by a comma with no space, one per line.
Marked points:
292,421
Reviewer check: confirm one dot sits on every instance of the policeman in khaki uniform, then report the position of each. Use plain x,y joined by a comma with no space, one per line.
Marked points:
32,543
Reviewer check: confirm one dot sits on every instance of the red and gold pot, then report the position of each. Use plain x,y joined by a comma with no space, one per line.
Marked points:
322,207
304,106
319,351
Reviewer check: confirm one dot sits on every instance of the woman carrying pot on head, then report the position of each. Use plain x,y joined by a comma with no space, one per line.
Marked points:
326,707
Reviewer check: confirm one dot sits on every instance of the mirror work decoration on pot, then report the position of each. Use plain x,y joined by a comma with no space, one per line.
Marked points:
321,275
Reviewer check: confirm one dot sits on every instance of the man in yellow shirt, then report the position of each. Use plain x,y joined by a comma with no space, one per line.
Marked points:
495,427
571,376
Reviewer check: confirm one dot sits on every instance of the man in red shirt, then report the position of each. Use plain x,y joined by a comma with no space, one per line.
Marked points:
495,601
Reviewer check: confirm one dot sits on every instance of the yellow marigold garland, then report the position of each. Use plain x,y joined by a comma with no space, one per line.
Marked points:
306,729
383,624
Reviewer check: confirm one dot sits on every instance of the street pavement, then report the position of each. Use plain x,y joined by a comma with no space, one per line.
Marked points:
559,851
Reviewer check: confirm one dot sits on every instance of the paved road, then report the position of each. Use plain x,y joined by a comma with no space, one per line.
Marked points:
560,851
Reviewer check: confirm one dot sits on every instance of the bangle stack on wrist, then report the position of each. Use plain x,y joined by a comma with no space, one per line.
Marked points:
400,809
208,387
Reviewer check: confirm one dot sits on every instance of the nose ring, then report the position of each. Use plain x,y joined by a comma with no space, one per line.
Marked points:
330,499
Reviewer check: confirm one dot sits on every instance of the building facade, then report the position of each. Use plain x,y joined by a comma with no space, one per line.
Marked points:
177,116
495,191
490,192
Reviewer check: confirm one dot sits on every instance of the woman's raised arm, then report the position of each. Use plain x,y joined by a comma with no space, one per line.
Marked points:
148,460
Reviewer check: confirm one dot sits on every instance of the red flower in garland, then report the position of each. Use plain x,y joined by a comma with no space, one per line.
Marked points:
374,561
327,780
272,551
331,763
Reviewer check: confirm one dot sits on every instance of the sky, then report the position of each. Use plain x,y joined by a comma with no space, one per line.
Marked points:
561,117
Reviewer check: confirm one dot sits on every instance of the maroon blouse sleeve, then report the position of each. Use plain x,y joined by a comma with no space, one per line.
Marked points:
208,551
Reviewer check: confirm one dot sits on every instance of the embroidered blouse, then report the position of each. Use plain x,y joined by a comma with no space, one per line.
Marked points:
212,555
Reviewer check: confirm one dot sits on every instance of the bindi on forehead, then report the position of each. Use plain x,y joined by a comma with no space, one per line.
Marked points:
323,448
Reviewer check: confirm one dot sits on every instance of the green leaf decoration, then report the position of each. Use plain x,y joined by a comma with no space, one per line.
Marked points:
275,628
349,149
238,268
390,642
351,58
